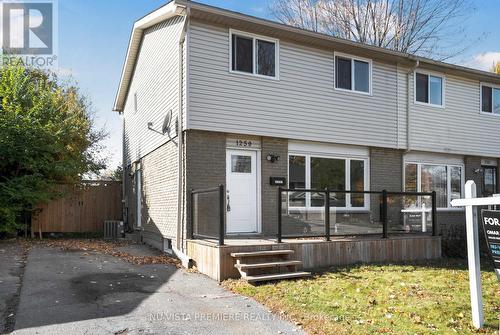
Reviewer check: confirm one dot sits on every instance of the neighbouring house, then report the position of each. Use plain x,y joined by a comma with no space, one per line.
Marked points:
241,133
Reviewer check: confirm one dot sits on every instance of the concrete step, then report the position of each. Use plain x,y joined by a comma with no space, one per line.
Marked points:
279,276
261,253
267,265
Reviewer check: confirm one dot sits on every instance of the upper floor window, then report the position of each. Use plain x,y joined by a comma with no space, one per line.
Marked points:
353,74
429,89
254,55
490,99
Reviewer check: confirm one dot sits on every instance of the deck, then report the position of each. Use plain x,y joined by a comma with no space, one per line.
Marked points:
216,262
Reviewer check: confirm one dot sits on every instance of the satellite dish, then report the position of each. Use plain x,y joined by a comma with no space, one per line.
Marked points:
166,122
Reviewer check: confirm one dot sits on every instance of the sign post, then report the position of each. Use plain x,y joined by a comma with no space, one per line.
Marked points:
469,203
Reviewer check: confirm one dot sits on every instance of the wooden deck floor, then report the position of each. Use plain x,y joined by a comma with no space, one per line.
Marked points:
215,261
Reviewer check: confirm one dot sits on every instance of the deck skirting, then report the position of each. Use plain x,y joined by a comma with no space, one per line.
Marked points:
217,263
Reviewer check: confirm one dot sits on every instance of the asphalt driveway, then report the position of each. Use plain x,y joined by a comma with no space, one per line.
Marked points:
77,292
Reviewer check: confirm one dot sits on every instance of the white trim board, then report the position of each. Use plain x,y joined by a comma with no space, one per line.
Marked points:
321,148
433,158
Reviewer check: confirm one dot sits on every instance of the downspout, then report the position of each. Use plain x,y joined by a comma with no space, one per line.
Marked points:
178,250
408,118
408,105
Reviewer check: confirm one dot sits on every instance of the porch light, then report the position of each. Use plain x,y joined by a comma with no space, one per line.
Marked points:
272,158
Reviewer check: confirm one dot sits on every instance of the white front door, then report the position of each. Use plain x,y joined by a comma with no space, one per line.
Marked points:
242,196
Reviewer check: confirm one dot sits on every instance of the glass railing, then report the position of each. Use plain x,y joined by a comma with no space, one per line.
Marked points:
309,213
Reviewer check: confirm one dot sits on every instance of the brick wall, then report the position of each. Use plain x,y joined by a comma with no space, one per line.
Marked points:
386,173
158,192
159,186
279,168
205,168
386,170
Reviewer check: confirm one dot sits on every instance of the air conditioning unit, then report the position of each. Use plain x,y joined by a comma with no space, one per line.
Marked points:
113,229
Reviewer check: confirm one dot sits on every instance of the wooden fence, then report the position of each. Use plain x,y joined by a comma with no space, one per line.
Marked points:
83,208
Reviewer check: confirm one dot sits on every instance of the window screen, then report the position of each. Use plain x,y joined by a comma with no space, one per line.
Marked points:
422,87
343,71
486,99
242,57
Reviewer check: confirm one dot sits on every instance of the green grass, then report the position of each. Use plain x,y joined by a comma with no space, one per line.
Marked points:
381,299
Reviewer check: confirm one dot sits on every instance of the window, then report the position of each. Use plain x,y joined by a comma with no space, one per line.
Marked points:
241,164
490,99
297,180
429,89
337,174
446,180
253,55
489,181
352,74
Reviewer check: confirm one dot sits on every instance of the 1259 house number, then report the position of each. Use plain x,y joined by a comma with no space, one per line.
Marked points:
243,143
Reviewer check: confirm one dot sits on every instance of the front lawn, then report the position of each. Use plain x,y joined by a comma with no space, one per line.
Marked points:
381,299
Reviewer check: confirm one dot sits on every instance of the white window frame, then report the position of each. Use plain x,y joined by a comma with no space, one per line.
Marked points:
353,79
493,87
443,88
448,180
347,161
254,38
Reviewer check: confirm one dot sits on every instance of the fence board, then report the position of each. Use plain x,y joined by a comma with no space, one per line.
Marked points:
83,208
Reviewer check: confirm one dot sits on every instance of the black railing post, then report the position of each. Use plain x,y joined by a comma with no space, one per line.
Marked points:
222,210
327,214
278,237
434,214
191,215
385,230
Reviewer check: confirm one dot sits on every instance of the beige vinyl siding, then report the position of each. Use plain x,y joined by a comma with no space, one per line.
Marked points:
302,104
459,127
156,81
402,105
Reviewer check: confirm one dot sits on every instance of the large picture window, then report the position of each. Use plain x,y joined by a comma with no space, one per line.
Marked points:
254,55
446,180
336,174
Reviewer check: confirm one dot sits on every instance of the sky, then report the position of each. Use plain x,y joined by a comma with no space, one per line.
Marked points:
94,35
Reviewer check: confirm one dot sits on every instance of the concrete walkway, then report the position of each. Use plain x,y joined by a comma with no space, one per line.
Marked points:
66,292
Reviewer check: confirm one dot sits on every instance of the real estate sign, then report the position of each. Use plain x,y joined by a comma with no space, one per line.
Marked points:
491,226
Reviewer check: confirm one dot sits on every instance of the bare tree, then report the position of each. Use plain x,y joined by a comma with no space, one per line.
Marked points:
432,28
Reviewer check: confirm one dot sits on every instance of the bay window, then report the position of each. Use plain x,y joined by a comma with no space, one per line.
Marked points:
334,173
446,180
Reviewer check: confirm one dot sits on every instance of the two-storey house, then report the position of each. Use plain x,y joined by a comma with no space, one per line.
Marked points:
211,97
